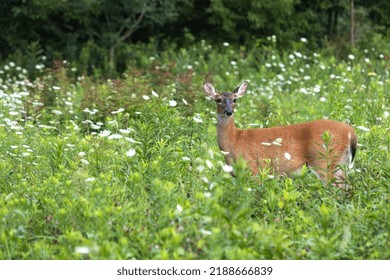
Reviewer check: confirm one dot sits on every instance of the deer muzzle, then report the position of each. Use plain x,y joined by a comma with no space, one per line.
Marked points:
228,108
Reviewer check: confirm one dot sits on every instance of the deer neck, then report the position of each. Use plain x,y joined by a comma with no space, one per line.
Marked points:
226,133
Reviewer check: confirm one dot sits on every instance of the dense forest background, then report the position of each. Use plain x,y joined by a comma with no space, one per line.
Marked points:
103,34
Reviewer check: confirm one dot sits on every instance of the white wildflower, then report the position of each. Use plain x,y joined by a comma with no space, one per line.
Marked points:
154,93
130,153
179,208
185,158
298,54
131,140
363,128
84,161
172,103
82,250
145,97
125,131
95,126
205,232
56,112
287,156
104,133
197,119
115,136
227,168
37,103
303,90
317,89
118,111
94,111
200,168
209,163
351,56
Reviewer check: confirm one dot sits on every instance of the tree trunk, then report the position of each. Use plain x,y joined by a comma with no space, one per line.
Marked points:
352,23
111,63
122,37
330,33
336,18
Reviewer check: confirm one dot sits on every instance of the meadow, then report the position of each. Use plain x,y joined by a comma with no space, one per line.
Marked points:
129,168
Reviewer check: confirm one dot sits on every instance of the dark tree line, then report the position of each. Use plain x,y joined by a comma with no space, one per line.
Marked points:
97,30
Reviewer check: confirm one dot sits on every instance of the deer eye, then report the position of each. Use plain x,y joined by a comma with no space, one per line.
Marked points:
218,100
234,100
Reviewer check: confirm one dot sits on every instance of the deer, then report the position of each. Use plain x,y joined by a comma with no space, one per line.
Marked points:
284,150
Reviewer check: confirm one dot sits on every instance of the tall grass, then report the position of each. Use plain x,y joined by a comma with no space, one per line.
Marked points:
130,168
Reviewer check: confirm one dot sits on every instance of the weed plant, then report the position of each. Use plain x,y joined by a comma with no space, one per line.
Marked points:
130,168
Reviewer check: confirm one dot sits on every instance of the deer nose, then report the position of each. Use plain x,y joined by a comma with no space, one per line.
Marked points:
229,113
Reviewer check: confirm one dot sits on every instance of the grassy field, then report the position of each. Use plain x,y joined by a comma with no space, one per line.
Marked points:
130,168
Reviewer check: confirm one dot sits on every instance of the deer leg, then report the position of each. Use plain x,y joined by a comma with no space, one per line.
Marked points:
327,173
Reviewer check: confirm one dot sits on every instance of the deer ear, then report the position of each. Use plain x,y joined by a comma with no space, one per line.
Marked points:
240,91
209,89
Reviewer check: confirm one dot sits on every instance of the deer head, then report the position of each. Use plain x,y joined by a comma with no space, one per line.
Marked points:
226,101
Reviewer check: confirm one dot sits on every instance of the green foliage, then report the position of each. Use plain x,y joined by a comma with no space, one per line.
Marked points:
96,36
98,28
130,169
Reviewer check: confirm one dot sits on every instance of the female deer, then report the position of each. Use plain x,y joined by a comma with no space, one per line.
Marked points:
284,149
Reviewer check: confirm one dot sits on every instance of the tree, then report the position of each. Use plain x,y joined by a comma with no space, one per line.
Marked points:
352,23
117,23
65,26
